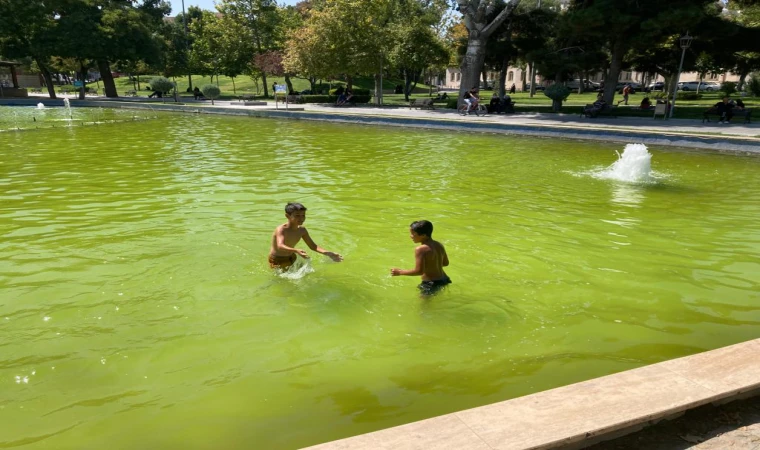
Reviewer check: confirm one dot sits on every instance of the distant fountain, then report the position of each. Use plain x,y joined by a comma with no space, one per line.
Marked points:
632,166
40,105
67,108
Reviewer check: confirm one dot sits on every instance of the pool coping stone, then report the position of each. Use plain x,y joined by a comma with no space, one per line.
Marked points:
581,414
571,130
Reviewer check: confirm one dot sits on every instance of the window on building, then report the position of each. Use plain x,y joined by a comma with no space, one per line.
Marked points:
522,78
459,76
511,76
453,76
714,76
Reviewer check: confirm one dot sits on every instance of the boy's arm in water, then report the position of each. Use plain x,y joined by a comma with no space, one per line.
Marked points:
312,245
281,247
419,264
445,261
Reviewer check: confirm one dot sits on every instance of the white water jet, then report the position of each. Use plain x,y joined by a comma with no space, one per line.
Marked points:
67,108
632,166
40,105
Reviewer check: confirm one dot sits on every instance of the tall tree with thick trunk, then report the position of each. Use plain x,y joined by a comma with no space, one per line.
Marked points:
476,14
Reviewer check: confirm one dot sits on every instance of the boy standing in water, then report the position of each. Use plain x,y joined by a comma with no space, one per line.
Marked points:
430,259
283,254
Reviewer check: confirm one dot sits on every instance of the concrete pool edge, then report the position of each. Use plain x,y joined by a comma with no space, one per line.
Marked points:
585,413
724,143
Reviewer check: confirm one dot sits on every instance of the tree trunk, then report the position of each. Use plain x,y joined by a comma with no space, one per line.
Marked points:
471,64
266,88
138,82
48,78
503,77
234,90
557,105
485,78
105,74
406,85
616,64
349,81
742,79
189,82
82,77
378,89
289,84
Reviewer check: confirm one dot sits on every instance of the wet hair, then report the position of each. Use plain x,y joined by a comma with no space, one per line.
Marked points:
422,228
290,208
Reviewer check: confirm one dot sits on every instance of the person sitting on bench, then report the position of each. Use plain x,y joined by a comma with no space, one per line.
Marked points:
724,108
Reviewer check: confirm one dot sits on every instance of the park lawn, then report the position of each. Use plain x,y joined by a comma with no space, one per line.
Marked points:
244,85
524,103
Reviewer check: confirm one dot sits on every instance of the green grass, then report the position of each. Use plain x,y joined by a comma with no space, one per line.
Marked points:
524,103
243,85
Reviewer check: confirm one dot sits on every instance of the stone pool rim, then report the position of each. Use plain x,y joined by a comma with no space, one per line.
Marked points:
647,135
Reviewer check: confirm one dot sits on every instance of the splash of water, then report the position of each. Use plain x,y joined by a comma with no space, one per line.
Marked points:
67,108
633,165
300,269
40,105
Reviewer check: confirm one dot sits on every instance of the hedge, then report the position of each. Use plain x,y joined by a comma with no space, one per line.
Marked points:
327,98
356,91
688,96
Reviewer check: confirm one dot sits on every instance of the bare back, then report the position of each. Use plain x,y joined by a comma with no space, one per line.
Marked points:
434,259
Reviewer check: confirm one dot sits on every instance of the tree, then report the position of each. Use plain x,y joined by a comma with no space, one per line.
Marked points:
417,48
623,25
480,27
259,19
25,30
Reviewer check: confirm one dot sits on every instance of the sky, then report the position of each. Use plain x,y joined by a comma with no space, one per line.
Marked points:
209,4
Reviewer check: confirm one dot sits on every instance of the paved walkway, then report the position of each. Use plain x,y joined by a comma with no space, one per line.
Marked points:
646,126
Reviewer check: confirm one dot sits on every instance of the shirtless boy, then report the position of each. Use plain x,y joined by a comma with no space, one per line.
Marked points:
286,236
430,259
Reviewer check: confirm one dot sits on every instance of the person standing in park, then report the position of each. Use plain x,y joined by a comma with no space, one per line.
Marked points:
626,93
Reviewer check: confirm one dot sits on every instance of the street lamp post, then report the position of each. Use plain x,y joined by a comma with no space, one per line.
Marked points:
533,68
685,44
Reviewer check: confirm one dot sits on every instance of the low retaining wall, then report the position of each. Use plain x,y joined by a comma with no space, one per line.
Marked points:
672,139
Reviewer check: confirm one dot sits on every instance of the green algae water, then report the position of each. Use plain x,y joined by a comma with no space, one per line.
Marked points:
137,309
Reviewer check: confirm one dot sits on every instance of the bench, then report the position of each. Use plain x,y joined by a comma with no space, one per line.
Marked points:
746,113
591,111
502,108
131,93
246,97
421,103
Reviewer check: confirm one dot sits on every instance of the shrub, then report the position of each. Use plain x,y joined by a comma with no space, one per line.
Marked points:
452,103
728,87
356,91
688,96
753,84
211,91
558,93
161,84
327,98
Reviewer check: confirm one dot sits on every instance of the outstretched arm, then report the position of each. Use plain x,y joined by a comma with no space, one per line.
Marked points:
313,245
419,264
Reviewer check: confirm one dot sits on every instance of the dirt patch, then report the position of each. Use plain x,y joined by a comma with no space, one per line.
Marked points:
735,425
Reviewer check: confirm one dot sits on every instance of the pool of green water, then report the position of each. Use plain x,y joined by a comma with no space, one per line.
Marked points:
137,309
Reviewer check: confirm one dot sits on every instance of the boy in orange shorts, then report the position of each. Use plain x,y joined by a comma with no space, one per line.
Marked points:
283,254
